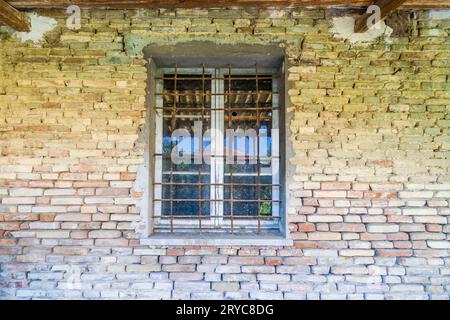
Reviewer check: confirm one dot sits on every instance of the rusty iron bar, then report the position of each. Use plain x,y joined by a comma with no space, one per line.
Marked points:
235,217
220,78
216,200
200,203
212,94
218,109
174,110
258,181
247,157
263,185
226,117
230,166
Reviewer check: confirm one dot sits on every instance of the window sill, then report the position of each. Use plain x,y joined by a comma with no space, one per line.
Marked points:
184,239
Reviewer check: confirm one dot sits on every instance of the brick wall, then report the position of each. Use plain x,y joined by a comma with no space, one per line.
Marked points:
369,207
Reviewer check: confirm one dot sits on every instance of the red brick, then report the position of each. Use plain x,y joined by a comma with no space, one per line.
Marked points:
273,261
402,244
380,163
348,227
124,176
90,184
306,227
305,244
7,242
43,200
246,260
21,217
335,186
175,252
433,228
380,195
310,202
46,217
394,253
41,184
70,251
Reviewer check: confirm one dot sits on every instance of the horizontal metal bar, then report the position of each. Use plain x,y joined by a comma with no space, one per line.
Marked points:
216,200
204,217
253,93
216,184
226,174
218,78
208,109
248,118
194,173
236,118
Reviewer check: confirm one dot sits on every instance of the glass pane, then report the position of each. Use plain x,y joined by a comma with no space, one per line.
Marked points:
186,117
186,189
248,119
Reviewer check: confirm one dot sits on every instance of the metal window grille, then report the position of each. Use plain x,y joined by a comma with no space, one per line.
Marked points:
227,184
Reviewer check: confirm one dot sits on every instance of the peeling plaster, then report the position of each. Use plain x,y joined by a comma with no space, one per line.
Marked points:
343,28
276,13
141,185
39,26
136,42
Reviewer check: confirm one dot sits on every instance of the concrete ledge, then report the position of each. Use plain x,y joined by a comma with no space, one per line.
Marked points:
180,239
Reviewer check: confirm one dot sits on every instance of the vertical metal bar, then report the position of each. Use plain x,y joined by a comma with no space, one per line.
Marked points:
174,120
213,160
231,143
200,203
257,148
159,125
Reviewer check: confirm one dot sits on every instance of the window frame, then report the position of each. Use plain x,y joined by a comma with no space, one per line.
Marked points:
216,222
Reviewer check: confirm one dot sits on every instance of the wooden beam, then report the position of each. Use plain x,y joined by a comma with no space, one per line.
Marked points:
171,4
386,6
14,18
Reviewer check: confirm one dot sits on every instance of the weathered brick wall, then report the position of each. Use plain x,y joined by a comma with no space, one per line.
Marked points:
369,211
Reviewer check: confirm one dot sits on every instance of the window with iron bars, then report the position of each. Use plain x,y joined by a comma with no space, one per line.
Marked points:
216,155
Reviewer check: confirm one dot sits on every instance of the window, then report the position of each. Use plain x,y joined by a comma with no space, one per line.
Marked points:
216,150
